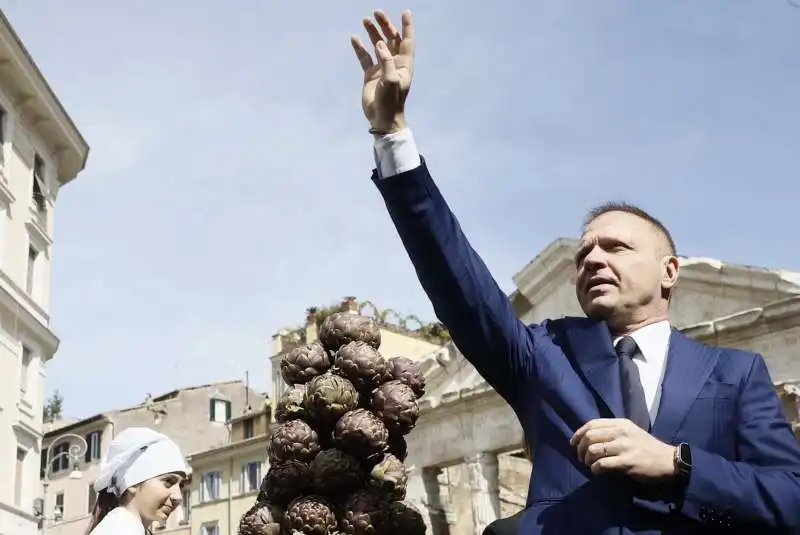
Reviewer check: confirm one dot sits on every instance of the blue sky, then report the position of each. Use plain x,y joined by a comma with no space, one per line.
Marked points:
228,184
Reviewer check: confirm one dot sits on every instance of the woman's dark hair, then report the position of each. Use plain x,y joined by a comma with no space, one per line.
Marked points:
105,502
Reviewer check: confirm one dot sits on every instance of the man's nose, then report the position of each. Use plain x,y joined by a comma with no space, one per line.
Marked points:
595,258
176,495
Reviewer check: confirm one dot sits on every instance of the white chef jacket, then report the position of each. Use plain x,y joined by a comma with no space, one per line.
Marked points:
120,521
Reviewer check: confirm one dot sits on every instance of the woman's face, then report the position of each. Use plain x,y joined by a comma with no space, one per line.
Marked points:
156,498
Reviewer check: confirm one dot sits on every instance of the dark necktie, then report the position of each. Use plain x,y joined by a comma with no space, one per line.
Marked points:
632,391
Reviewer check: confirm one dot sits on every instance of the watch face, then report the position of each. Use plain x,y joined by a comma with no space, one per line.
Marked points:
685,454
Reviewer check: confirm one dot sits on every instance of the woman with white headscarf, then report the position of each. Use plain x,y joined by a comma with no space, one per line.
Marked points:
139,483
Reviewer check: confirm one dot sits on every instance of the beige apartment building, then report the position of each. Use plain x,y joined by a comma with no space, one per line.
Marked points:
226,479
41,150
197,418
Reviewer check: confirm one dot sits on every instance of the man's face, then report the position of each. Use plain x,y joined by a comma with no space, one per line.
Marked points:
622,265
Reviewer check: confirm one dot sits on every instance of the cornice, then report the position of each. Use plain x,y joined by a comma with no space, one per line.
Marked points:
776,316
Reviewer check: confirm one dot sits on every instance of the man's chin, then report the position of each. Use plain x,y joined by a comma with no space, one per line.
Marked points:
599,309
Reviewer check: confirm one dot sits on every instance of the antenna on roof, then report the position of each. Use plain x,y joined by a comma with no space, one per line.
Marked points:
247,407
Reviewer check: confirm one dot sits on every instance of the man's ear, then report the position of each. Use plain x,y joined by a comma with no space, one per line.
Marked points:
669,273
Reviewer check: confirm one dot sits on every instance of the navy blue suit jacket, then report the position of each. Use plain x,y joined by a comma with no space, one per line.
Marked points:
504,526
559,374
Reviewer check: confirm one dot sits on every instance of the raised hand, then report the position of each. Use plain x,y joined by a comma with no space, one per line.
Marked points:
387,82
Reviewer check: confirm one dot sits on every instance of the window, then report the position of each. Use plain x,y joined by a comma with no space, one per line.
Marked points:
210,486
92,497
4,211
30,277
248,428
42,461
251,477
19,475
58,510
211,528
186,506
24,369
38,196
60,460
3,122
220,410
93,449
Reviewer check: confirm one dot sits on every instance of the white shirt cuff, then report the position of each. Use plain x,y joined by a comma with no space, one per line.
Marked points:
396,153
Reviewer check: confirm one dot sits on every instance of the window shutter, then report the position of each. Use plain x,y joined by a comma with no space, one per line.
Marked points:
43,459
211,407
242,480
227,411
87,457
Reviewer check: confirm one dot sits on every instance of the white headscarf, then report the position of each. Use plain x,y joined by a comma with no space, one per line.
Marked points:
136,455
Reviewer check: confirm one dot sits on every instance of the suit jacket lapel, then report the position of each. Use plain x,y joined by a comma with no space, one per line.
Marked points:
593,350
689,364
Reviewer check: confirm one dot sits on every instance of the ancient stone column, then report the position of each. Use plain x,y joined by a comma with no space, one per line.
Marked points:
418,494
483,478
437,519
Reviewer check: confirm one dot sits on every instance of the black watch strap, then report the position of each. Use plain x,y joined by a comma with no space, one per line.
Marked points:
683,461
683,472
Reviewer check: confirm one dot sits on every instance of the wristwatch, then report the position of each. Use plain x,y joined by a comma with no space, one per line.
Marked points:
683,462
683,469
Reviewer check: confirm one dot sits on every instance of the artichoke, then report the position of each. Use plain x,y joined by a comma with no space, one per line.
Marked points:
342,328
327,398
261,519
302,363
366,513
335,473
398,447
405,519
309,515
284,482
396,404
390,476
407,371
293,441
290,406
362,365
362,434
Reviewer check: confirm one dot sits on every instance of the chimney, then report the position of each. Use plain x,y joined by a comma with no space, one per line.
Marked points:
311,324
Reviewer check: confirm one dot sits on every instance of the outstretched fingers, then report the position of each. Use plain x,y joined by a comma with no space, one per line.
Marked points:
388,68
388,29
363,55
372,31
408,24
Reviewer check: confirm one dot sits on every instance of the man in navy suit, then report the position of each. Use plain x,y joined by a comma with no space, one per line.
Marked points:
635,428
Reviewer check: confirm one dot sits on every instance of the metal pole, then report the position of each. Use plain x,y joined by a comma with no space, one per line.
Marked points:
45,484
73,453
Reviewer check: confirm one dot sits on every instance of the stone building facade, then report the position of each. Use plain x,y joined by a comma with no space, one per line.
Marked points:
465,453
41,152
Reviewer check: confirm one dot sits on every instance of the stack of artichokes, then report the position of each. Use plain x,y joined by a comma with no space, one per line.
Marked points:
336,452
